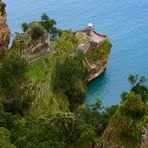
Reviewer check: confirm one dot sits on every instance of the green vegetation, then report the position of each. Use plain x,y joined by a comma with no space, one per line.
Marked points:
59,130
38,29
128,122
37,32
12,74
25,26
97,117
68,41
49,24
99,54
105,50
72,86
42,104
16,90
138,86
47,122
5,139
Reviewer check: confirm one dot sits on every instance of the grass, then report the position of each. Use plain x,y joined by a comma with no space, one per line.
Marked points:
40,70
99,54
50,102
47,101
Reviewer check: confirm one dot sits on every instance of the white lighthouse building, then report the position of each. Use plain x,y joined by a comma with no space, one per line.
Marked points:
89,29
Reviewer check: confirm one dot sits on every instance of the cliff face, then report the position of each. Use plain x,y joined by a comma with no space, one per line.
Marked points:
4,30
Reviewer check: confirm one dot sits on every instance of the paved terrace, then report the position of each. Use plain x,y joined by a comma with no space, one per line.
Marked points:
96,37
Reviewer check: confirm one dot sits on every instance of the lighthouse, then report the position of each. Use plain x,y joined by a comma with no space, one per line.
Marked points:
89,29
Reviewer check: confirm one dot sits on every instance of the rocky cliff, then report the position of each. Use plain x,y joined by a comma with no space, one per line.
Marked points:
97,50
4,30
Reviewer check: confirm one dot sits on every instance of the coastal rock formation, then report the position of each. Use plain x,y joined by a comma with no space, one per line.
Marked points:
4,30
97,50
32,48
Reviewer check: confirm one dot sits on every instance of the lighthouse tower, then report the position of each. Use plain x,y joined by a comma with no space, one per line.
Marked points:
89,29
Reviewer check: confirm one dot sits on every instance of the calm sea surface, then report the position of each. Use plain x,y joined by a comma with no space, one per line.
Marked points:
124,21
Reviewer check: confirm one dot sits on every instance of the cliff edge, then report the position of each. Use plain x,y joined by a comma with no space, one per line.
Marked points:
4,30
97,50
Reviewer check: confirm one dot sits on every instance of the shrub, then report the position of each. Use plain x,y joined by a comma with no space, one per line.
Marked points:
17,90
128,119
37,32
139,87
48,24
12,74
5,139
24,27
68,77
60,130
133,106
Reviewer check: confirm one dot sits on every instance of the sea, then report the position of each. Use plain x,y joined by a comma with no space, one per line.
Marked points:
124,21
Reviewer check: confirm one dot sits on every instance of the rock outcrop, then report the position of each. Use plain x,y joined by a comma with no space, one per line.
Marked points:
4,30
97,50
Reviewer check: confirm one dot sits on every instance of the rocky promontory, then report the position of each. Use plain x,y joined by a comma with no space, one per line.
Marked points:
4,30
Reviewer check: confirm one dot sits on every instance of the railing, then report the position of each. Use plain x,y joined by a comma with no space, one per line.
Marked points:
102,35
84,46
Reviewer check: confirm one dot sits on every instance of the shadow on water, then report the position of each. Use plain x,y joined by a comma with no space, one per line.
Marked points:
95,87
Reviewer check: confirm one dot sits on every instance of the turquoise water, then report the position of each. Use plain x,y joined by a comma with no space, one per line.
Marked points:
124,21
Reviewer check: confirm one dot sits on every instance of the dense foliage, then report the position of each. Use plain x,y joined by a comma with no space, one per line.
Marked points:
42,104
37,32
12,75
68,77
97,117
5,139
129,121
64,129
16,90
58,130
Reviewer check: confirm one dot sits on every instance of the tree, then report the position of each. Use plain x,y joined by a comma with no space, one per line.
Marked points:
123,95
60,130
37,32
25,26
138,86
91,115
131,113
68,77
6,119
133,79
49,24
126,126
133,106
12,75
97,117
44,17
5,139
68,73
16,89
